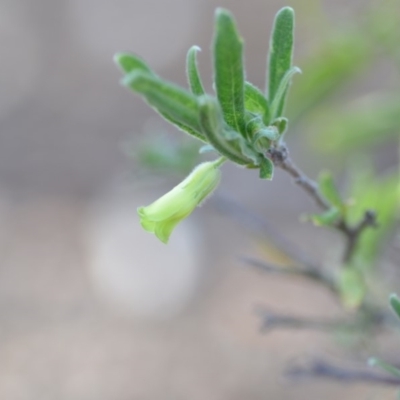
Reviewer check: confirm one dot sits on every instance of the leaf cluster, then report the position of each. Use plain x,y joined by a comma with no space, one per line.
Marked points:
239,121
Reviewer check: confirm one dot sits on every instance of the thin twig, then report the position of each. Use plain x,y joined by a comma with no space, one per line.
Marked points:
323,369
281,159
272,320
353,234
304,271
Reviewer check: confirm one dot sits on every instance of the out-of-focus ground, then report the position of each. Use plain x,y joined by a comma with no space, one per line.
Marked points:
91,306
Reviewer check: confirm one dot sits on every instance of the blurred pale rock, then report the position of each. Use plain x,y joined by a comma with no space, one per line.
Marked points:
131,269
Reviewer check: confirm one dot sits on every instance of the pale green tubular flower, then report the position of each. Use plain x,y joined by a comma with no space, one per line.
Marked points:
164,214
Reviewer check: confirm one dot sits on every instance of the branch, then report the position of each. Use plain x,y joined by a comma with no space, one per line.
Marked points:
366,319
281,159
309,272
272,320
323,369
353,234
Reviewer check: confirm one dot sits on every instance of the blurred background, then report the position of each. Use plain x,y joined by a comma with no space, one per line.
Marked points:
93,307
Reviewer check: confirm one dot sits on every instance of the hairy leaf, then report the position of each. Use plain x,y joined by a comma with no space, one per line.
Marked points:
256,129
279,99
130,62
228,70
213,127
266,169
280,53
270,133
282,124
328,189
192,72
172,102
255,102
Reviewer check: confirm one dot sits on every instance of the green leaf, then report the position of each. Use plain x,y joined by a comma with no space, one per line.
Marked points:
279,99
282,124
395,304
262,139
184,128
172,102
328,189
271,133
213,127
280,53
248,151
381,194
228,70
352,287
328,218
130,62
375,362
192,72
256,130
255,102
266,169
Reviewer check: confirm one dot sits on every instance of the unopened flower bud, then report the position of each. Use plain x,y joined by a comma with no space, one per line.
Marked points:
164,214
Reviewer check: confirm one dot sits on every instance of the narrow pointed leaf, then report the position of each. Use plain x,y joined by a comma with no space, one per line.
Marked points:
263,138
270,133
278,102
248,151
266,169
184,128
192,72
213,128
375,362
326,218
368,188
172,102
130,62
229,133
328,189
352,288
280,52
255,102
228,70
395,304
281,124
